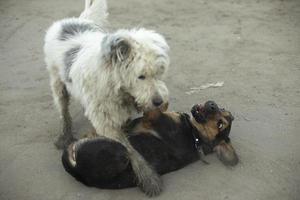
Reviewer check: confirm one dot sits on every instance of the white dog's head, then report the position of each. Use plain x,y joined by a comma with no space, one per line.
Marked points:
138,59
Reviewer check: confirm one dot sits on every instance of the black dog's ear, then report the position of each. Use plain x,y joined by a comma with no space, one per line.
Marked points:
226,153
116,48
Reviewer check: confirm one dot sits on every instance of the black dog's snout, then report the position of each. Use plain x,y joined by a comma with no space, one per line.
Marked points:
211,107
157,101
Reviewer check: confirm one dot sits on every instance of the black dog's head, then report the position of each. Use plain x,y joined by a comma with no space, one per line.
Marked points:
213,125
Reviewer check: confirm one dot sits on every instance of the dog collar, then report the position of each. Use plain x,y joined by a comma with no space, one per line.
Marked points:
196,138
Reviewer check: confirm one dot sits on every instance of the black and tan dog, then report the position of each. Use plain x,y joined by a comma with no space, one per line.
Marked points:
167,140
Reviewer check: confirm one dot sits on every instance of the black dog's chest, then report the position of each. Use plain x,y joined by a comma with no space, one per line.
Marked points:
169,149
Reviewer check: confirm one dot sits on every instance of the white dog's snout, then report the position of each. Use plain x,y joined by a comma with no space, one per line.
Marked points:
161,95
157,100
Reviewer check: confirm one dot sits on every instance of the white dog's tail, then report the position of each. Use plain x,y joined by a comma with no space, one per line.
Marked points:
96,11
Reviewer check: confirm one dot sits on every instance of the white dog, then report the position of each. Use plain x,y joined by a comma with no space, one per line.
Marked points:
113,75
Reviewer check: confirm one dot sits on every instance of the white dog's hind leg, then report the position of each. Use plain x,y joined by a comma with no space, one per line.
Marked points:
61,99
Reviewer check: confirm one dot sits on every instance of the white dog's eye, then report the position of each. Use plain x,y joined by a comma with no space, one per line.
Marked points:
142,77
162,68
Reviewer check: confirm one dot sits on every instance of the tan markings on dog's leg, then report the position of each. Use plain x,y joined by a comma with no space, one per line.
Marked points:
61,99
72,154
164,107
174,116
73,148
151,115
145,128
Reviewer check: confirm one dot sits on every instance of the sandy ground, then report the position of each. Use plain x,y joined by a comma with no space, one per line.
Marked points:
253,46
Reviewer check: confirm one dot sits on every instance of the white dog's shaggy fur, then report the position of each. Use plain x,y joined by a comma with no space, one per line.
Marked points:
113,75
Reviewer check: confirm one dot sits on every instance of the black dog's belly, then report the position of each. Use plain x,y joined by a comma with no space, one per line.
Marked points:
162,156
104,163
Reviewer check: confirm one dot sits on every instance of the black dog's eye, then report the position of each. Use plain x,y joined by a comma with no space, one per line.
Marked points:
142,77
220,124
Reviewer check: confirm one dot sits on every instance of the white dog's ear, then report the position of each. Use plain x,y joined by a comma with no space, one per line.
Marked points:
116,48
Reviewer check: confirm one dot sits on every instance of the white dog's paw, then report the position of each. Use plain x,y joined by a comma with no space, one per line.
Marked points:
63,141
152,186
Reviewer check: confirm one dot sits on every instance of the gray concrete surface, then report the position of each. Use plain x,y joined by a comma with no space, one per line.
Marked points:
253,46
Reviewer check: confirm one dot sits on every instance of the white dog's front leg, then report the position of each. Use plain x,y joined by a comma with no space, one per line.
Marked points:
148,180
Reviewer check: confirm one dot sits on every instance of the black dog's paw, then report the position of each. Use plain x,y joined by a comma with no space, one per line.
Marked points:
152,186
63,141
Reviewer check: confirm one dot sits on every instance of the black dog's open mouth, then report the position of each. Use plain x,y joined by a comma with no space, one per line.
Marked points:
198,113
